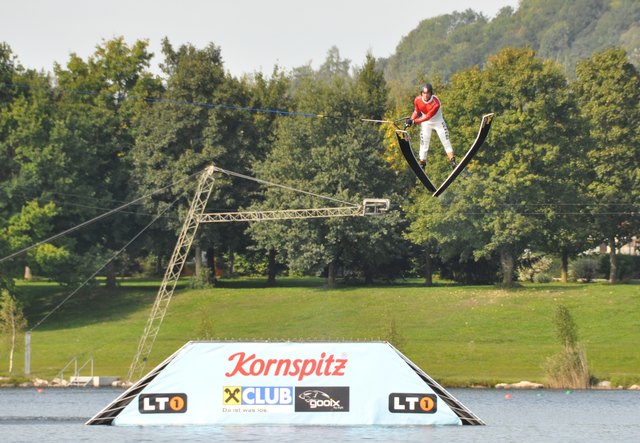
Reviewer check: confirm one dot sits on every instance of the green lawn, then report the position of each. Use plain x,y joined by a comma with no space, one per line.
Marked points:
460,335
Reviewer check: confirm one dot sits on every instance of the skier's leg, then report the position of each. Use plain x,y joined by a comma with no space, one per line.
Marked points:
425,138
443,133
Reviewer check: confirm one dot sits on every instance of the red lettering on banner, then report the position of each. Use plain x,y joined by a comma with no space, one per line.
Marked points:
250,366
281,363
341,364
296,368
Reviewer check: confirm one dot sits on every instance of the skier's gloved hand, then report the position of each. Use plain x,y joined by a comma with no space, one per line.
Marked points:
408,123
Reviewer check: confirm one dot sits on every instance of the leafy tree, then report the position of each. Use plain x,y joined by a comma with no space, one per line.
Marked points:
612,120
68,144
564,227
28,163
608,88
12,323
201,119
512,188
268,97
170,133
334,65
335,156
99,103
18,124
34,223
8,69
246,146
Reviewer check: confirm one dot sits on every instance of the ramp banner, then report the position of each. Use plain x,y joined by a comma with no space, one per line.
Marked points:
207,383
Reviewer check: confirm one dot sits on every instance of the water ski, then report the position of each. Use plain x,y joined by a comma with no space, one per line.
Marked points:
405,147
485,125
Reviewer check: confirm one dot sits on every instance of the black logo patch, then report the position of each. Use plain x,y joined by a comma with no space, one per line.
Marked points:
322,399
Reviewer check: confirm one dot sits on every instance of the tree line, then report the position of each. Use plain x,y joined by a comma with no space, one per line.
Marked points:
559,173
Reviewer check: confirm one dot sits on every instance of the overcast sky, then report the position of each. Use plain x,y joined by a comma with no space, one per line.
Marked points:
254,35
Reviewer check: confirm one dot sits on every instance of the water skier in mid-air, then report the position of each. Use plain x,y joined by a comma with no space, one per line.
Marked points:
428,113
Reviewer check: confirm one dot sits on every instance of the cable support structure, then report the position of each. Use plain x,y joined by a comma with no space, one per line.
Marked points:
196,216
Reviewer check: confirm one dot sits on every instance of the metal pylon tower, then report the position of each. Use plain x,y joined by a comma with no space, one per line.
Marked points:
172,274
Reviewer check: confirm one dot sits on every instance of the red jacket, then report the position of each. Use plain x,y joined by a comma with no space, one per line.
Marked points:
425,111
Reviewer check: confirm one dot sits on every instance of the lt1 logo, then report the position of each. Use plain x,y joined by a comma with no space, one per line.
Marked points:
162,403
413,403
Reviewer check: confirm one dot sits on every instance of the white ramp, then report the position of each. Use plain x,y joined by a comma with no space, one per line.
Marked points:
218,383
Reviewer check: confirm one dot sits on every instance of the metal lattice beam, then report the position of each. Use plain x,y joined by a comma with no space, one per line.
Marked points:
370,206
285,214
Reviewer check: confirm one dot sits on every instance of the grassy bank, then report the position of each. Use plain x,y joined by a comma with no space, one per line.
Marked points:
460,335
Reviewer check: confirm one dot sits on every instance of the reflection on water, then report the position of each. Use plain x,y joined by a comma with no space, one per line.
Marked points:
58,415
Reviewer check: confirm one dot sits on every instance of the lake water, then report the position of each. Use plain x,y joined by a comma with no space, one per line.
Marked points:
58,415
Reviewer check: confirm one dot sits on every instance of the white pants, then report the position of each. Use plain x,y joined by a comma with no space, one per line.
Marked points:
425,136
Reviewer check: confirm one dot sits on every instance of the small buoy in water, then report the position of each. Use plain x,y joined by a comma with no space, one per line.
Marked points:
507,396
39,390
568,391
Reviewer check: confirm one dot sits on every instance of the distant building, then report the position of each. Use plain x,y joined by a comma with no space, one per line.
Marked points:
631,248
